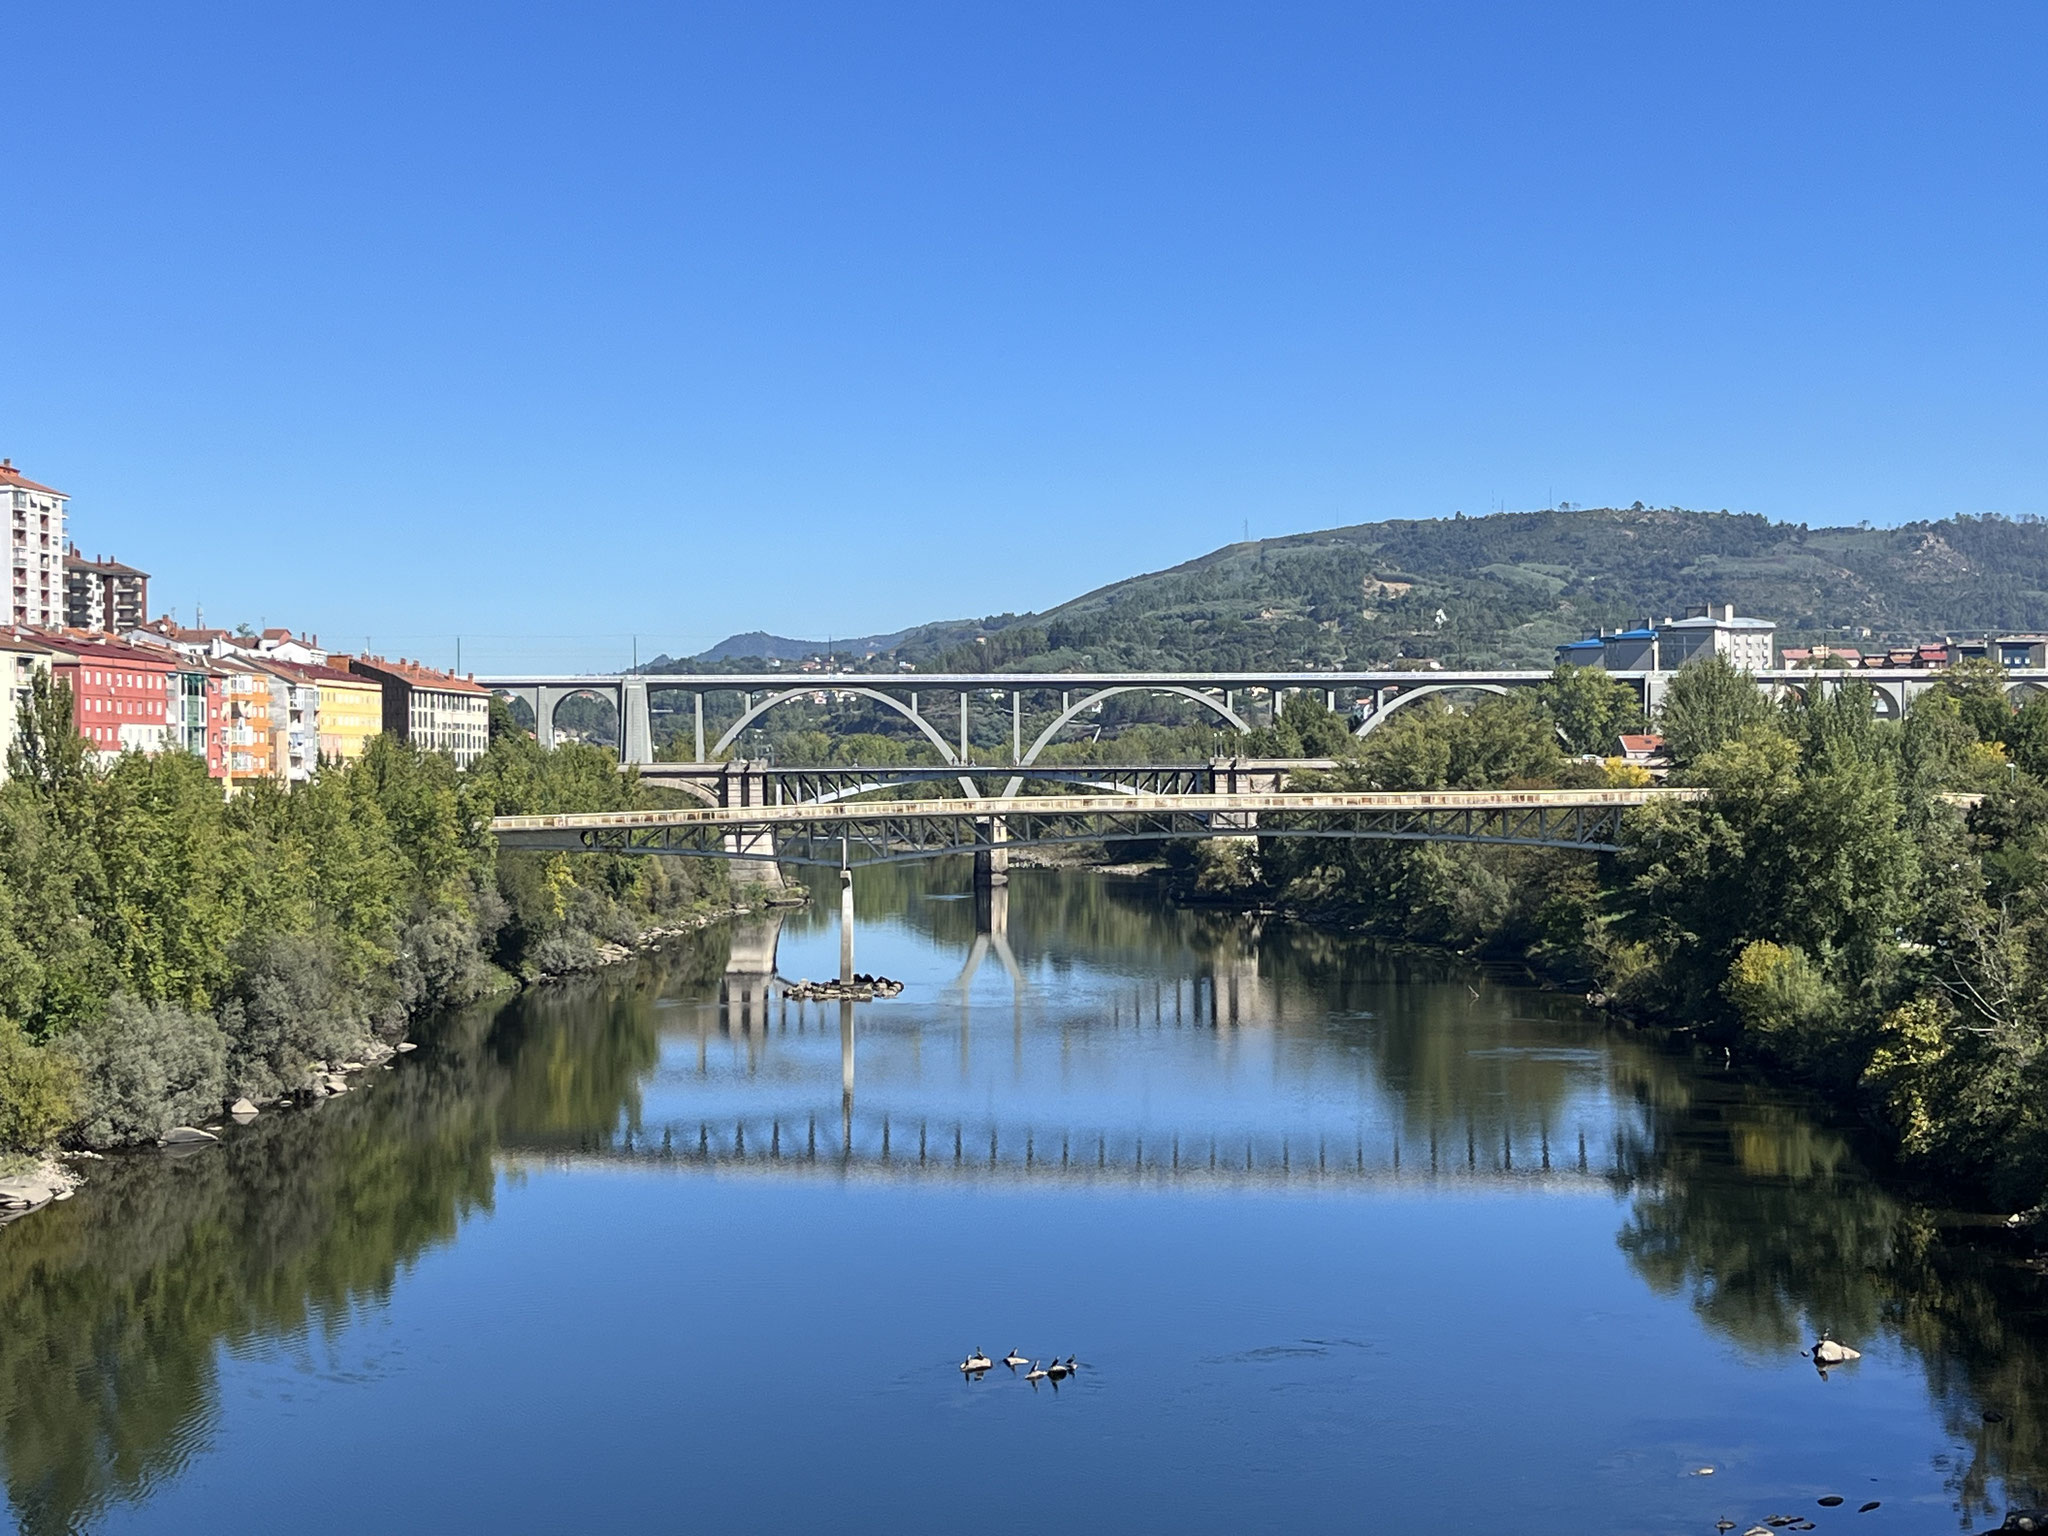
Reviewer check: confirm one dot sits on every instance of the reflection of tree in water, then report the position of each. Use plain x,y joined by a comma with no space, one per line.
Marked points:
1762,1218
112,1306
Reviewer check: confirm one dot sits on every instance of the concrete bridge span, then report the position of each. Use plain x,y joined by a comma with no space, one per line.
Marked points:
1062,699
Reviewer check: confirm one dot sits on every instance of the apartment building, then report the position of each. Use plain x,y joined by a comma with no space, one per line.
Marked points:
1711,629
120,694
21,659
250,748
351,712
294,719
104,594
437,711
35,544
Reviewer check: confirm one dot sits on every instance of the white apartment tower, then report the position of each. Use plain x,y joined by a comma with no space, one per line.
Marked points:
35,546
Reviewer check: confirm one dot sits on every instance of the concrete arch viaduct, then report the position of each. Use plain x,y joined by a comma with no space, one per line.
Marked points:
1368,698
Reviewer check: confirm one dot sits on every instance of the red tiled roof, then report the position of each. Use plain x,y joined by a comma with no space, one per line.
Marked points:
1641,742
91,645
419,676
11,476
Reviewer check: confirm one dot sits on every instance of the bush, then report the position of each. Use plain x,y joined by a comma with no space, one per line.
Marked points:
1785,1003
292,1005
39,1091
146,1067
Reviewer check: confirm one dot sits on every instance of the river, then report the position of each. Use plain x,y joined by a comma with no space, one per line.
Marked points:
1343,1240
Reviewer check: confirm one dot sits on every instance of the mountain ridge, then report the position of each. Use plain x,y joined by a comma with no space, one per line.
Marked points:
1505,588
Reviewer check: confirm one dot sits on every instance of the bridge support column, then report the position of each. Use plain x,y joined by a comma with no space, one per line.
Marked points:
963,727
991,853
636,725
753,870
846,931
1016,726
749,979
699,697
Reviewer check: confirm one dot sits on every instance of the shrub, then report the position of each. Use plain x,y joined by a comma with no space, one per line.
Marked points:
39,1091
146,1067
1785,1003
292,1005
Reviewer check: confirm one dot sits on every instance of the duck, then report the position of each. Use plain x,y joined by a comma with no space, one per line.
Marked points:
1014,1359
1037,1372
976,1362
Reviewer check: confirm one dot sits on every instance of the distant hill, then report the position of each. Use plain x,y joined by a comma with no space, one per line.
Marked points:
766,647
1504,590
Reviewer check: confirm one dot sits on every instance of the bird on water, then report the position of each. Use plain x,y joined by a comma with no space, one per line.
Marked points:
1013,1359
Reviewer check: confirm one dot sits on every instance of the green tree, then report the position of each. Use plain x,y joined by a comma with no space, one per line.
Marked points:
1709,704
1590,707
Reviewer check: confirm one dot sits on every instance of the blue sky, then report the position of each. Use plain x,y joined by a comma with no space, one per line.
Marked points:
555,326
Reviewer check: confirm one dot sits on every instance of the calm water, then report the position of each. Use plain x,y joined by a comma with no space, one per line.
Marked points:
1342,1240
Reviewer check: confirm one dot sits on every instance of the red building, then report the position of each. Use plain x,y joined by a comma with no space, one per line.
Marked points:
121,695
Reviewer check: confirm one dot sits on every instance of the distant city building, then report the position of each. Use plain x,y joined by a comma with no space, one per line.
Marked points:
120,694
436,711
35,524
251,750
1643,749
1708,630
294,719
104,594
21,660
2022,651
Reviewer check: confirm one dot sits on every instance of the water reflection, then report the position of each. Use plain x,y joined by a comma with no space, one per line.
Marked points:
1086,1034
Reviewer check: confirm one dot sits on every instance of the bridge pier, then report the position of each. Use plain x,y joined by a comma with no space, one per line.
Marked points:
991,853
749,981
846,926
636,726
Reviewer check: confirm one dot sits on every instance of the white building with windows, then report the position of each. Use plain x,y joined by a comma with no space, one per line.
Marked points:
35,548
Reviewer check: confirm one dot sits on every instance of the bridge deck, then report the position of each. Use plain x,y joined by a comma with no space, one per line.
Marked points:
812,832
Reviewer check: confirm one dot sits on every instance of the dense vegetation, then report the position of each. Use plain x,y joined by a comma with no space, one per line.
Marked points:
163,951
1826,908
1497,590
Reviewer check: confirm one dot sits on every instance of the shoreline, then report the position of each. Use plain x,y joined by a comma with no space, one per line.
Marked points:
44,1179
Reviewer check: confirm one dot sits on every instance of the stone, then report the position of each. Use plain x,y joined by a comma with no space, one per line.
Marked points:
337,1086
1828,1352
351,1066
24,1190
242,1108
1829,1501
185,1136
63,1194
1867,1508
2025,1520
407,1045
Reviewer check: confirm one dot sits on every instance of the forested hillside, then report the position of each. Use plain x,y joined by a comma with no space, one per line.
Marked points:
1505,589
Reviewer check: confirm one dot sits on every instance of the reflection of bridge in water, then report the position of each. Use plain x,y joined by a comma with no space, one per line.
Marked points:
778,1048
983,1149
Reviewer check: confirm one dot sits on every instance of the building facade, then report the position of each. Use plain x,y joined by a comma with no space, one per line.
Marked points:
1712,629
104,594
21,661
436,711
351,712
294,720
120,694
35,545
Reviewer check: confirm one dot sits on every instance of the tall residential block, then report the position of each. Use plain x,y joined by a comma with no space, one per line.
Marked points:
104,594
35,547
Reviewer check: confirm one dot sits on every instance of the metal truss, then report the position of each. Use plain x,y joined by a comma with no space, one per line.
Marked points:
848,834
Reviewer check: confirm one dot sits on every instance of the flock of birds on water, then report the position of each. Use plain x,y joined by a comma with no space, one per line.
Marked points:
976,1365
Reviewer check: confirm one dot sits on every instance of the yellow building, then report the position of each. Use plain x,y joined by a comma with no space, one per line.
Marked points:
351,712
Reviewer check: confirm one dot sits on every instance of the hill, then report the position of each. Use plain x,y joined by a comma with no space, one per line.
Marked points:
1506,588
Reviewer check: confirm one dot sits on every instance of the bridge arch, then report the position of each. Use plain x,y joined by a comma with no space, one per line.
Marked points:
732,733
1402,700
1068,715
